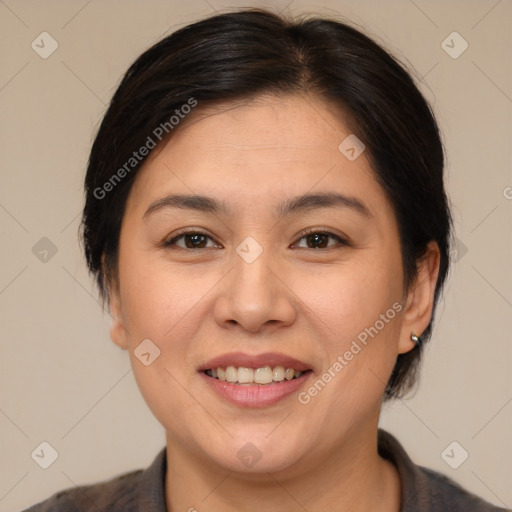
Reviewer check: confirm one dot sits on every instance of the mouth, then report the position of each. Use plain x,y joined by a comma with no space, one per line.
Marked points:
263,376
255,380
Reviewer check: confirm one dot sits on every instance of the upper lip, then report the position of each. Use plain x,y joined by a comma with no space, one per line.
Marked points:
243,360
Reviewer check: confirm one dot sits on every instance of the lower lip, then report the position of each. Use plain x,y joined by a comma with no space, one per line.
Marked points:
256,395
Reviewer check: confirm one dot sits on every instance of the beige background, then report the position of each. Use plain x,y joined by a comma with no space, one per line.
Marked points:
63,381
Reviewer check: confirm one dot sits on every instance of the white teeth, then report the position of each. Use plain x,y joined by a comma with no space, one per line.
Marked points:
278,374
245,375
231,374
263,375
289,373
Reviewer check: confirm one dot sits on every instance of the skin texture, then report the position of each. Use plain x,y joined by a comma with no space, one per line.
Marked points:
306,302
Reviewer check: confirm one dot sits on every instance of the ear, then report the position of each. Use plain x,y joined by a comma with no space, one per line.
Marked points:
118,332
420,299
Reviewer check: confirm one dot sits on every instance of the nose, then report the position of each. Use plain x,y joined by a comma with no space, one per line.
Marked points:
255,297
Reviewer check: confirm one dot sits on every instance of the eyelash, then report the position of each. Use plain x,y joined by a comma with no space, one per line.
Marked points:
308,232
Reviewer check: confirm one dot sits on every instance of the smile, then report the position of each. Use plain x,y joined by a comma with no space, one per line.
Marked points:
265,375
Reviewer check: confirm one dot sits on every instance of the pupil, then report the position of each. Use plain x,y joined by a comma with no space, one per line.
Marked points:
318,239
194,239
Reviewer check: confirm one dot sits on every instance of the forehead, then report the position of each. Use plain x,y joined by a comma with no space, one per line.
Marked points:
292,124
259,150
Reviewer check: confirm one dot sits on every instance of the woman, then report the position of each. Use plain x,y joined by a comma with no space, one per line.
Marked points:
266,217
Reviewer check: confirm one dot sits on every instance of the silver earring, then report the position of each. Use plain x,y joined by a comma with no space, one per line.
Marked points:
416,339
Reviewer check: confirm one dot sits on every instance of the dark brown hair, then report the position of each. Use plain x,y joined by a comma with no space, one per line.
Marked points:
242,54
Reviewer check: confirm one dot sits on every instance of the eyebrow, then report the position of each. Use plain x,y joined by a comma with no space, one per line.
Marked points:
188,202
305,202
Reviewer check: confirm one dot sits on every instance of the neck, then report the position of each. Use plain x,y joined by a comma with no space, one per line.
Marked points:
350,477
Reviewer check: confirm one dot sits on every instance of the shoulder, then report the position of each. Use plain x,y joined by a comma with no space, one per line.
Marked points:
425,490
452,496
129,492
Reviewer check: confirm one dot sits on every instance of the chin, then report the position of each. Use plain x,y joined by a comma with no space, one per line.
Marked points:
250,460
255,453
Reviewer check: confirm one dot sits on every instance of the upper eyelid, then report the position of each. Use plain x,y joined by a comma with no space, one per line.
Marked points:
312,231
341,239
309,231
168,241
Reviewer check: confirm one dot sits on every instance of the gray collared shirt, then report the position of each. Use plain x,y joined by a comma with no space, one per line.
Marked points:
423,490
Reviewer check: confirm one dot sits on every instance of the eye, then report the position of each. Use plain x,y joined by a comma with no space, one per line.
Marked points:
320,240
191,240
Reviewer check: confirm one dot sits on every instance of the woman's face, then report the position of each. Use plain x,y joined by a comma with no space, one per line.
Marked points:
292,262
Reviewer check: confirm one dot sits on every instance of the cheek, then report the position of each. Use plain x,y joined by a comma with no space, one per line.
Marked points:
358,309
167,305
164,306
172,305
350,297
160,299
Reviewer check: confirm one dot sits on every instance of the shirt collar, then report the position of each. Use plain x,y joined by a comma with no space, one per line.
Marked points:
152,486
414,483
